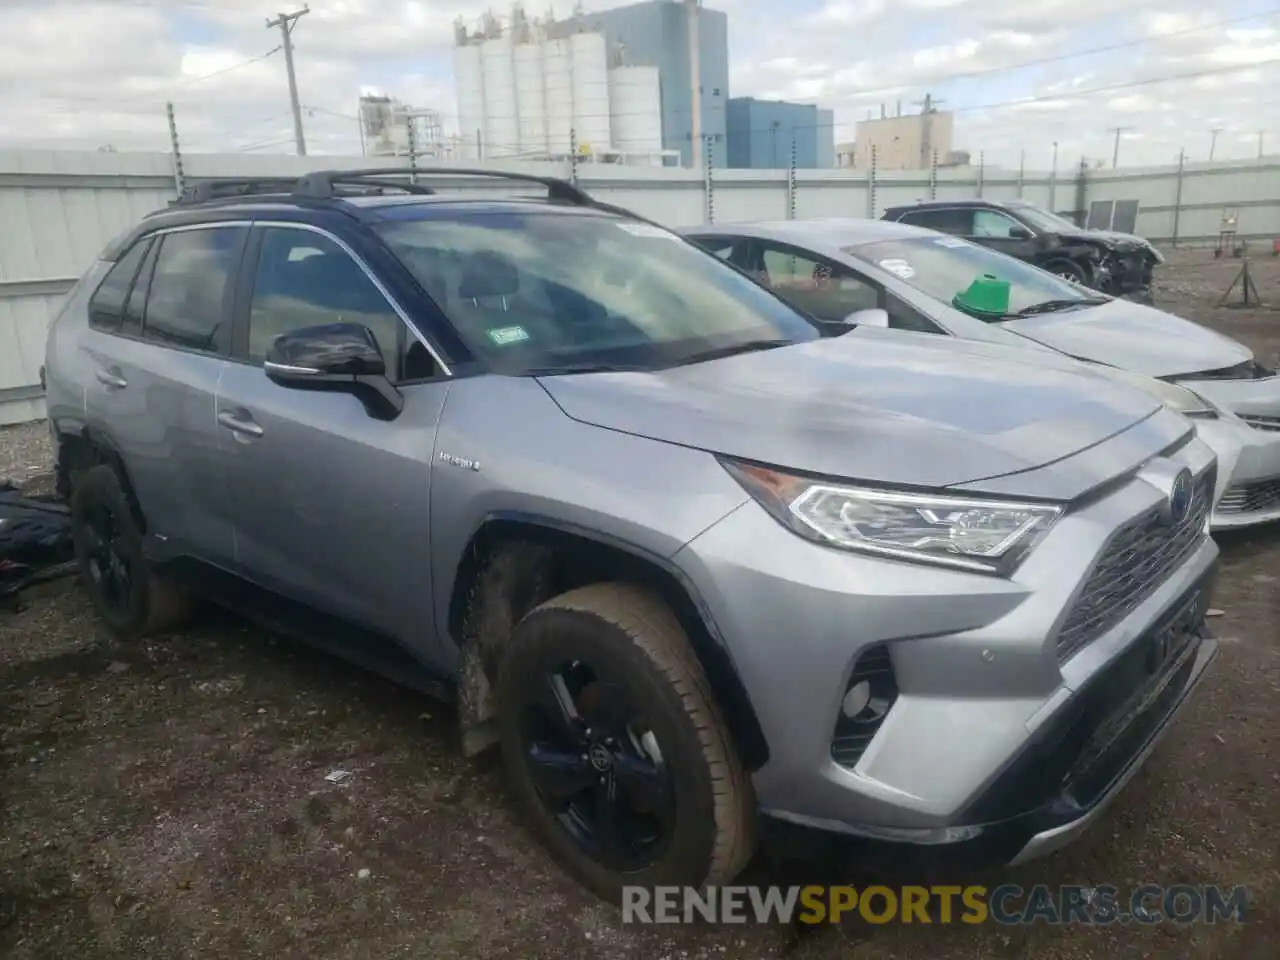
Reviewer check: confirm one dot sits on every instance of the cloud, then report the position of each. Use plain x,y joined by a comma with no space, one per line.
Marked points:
1019,76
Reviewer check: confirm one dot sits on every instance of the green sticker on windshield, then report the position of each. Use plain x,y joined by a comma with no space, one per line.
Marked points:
503,336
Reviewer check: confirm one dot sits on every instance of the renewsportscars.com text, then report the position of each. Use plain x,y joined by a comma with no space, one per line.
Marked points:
1008,904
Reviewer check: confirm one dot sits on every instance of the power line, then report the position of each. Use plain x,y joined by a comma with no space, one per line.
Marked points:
1091,51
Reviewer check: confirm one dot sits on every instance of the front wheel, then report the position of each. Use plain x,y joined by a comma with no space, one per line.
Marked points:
615,747
1068,270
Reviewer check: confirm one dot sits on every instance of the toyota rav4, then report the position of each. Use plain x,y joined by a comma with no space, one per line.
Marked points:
697,562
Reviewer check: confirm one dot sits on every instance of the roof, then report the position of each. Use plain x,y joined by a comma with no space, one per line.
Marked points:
364,196
967,202
831,233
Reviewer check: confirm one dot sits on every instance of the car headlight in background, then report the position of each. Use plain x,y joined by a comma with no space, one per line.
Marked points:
986,536
1176,398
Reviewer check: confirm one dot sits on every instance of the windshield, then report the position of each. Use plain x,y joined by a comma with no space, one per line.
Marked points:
546,291
943,267
1042,218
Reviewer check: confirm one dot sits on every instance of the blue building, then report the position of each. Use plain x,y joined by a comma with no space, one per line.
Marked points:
656,34
760,133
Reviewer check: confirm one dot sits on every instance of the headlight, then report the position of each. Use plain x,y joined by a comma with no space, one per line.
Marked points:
987,536
1176,398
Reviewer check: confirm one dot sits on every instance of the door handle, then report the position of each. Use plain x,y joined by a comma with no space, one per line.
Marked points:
239,425
111,378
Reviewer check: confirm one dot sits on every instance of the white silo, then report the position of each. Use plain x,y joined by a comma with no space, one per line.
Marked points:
468,77
501,130
635,109
531,113
557,76
590,90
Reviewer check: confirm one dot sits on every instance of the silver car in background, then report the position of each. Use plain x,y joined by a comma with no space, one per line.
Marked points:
835,267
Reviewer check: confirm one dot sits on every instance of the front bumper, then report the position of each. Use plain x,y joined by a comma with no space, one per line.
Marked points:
1247,443
980,683
1058,787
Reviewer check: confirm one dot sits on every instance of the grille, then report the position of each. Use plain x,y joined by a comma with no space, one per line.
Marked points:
1139,558
1259,422
1251,497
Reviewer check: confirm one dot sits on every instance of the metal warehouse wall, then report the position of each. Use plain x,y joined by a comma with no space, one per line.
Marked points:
58,209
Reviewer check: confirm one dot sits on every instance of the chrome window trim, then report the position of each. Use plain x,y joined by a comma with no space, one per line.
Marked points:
364,268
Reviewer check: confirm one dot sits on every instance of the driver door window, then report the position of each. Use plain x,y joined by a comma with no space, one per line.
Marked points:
304,279
826,290
991,225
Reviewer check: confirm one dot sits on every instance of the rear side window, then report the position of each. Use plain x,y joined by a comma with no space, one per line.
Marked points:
107,303
953,220
190,288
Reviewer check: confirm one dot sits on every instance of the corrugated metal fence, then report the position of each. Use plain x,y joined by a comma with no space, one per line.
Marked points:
58,209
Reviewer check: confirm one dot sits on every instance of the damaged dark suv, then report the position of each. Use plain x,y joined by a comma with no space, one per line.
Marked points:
1120,264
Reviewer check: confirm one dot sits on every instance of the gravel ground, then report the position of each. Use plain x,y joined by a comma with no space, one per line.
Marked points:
168,799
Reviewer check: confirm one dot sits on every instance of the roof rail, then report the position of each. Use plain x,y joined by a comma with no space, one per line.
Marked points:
323,182
224,188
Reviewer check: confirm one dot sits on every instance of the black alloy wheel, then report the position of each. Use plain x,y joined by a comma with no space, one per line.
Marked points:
615,747
597,767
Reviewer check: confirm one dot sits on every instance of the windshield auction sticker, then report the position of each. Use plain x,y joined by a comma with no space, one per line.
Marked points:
647,230
900,267
503,336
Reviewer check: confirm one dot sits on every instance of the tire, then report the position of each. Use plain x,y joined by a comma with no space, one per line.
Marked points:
626,642
1068,270
108,544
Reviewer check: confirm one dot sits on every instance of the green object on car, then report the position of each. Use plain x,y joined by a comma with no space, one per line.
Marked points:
988,295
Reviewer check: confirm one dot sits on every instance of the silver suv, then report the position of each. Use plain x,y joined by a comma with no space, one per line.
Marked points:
699,563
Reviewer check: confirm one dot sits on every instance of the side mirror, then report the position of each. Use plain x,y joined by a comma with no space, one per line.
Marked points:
1019,232
335,357
874,317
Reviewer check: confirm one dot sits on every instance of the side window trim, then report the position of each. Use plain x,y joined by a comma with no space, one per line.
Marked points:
407,324
991,211
141,280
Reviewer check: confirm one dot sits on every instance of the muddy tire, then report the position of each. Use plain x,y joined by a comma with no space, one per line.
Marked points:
126,593
615,747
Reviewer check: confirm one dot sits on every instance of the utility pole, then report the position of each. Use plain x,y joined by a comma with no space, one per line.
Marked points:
286,22
1260,133
1115,151
695,83
1213,141
928,107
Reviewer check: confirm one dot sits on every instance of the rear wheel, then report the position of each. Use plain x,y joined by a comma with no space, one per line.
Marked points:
615,747
129,597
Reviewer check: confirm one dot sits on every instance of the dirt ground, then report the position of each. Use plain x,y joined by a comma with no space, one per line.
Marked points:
169,799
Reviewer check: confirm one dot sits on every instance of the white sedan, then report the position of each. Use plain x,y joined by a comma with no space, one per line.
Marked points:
915,279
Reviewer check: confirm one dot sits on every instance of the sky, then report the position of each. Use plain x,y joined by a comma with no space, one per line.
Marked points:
90,74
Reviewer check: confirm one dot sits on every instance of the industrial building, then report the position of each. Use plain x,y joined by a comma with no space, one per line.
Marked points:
678,38
905,142
535,88
615,86
389,128
761,133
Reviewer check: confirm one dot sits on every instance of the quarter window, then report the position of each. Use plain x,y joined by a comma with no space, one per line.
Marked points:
304,279
187,302
107,303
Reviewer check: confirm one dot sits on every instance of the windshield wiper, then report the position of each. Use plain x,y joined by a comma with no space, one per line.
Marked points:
583,367
746,346
1052,306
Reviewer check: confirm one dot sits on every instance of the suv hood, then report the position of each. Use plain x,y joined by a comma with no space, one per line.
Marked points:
1134,337
1111,238
886,406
